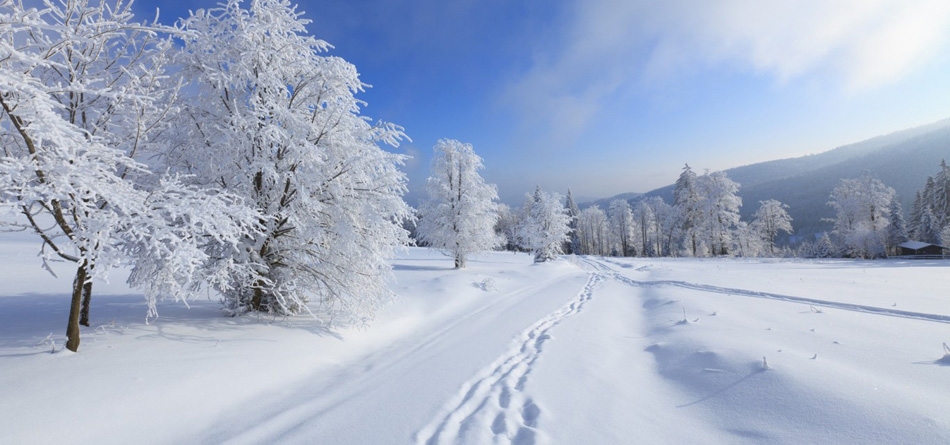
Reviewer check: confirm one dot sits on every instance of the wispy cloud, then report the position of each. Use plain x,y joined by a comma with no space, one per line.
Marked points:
609,45
864,43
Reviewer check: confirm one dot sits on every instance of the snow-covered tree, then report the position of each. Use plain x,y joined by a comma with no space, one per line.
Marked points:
646,226
770,219
572,212
686,199
84,95
943,194
546,225
928,229
460,214
622,230
275,121
823,247
508,226
897,229
592,232
930,213
940,196
916,213
929,224
665,225
707,208
719,209
861,207
749,241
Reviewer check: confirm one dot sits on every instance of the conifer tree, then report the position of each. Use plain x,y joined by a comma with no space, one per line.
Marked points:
572,212
916,213
897,229
930,213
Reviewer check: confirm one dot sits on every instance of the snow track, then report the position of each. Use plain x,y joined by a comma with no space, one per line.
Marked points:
814,302
605,269
493,407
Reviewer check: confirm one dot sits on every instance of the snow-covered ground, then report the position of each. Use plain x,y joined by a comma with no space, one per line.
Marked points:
581,350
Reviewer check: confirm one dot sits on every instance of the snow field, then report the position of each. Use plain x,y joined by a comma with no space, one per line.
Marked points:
834,375
581,350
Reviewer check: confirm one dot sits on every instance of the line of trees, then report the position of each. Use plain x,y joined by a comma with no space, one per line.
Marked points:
929,219
869,221
864,211
702,221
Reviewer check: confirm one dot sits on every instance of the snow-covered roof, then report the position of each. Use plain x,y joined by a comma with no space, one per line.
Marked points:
915,245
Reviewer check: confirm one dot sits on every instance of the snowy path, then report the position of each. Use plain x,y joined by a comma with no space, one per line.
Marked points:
428,364
492,407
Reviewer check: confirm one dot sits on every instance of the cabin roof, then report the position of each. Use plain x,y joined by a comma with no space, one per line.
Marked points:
916,245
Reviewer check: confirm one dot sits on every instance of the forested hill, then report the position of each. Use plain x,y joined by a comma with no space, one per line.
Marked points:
902,160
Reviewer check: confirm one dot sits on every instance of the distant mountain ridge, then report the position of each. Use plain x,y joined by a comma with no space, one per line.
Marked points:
902,160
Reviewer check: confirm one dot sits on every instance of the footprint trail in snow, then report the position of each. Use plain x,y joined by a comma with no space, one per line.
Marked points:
492,407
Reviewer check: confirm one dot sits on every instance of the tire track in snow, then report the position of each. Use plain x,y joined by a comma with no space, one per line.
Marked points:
603,268
815,302
492,407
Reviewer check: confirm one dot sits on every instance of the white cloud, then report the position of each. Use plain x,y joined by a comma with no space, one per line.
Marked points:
609,44
864,43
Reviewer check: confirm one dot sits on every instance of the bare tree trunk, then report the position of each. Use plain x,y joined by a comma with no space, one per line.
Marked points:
258,299
72,326
86,298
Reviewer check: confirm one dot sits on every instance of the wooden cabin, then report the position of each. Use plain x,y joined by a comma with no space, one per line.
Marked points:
918,249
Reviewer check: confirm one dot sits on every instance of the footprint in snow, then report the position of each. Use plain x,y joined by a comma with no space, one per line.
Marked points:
530,413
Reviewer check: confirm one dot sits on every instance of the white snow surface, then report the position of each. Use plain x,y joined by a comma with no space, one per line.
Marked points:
578,350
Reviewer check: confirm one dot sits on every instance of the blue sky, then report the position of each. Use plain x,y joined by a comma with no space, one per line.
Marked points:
613,96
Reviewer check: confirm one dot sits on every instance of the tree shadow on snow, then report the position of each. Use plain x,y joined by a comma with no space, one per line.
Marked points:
407,267
209,317
943,361
38,321
868,264
755,371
